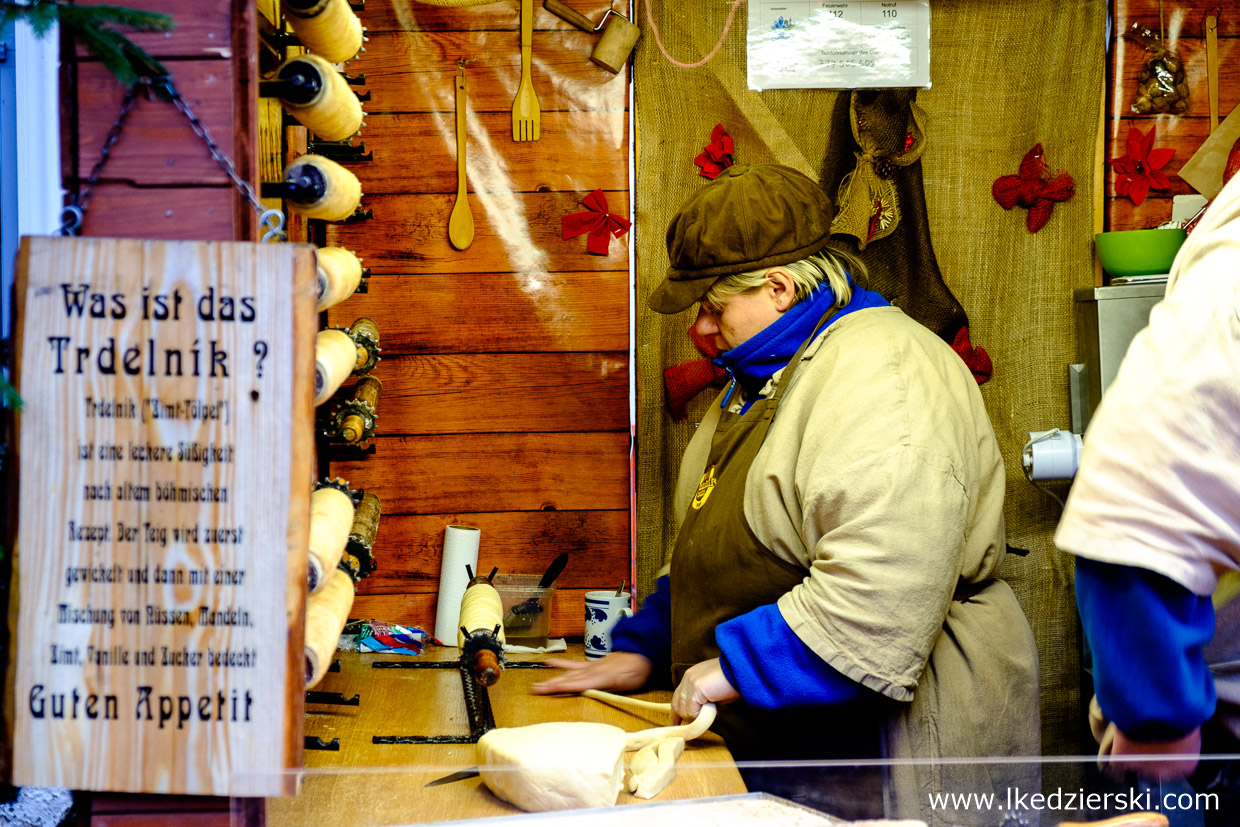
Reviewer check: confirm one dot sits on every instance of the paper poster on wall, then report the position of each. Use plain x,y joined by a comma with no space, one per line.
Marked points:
838,44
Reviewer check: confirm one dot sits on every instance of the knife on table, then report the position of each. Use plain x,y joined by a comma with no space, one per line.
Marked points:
459,775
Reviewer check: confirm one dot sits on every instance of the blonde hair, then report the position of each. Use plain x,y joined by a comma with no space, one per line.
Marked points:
830,266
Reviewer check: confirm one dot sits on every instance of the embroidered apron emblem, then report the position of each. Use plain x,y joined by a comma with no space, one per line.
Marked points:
705,486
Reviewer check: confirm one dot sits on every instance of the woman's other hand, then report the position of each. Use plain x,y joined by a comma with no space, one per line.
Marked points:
703,683
618,670
1180,761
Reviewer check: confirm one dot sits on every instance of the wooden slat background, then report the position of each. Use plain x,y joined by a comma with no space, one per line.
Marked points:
505,366
1183,26
160,181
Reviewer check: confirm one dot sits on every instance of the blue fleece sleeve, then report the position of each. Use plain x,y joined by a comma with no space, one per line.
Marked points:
1146,634
649,631
772,668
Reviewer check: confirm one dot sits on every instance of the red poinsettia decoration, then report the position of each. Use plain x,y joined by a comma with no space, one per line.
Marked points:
1139,170
597,221
1033,189
717,155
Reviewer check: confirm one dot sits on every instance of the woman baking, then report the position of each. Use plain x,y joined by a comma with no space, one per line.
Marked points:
834,584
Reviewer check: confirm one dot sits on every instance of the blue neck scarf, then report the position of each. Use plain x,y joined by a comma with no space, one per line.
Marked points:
752,363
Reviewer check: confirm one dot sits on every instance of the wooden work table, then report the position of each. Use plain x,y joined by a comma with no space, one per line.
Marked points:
365,784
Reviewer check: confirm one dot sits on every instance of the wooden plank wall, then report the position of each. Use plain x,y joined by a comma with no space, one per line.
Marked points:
160,180
505,366
1184,28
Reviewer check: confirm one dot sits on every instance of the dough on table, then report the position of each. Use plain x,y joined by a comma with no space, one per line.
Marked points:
554,766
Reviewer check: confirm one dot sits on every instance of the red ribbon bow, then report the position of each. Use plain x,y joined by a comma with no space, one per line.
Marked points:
597,221
717,155
1031,189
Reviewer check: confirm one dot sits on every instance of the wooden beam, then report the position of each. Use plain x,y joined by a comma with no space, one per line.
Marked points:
415,71
583,144
492,312
409,547
202,28
174,213
502,393
407,15
513,233
495,472
158,146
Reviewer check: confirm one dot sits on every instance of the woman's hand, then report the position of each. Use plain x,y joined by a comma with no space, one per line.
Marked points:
1167,769
619,670
703,683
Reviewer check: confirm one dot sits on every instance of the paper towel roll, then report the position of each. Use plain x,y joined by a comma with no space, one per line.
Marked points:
460,549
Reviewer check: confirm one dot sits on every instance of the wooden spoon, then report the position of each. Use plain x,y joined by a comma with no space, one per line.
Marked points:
461,222
1212,67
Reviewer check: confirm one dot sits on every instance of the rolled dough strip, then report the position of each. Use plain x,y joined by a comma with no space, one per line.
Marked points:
625,700
689,731
653,781
642,760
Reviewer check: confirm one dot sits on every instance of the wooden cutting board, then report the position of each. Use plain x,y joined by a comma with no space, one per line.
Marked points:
365,783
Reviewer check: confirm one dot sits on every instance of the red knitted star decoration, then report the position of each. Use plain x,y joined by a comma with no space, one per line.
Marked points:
1139,170
1033,189
686,380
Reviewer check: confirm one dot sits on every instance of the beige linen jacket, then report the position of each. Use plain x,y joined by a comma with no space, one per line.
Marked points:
881,476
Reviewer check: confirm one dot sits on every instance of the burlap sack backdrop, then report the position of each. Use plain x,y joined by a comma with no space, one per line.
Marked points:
1005,76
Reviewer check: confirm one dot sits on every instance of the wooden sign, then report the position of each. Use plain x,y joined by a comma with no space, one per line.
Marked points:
165,463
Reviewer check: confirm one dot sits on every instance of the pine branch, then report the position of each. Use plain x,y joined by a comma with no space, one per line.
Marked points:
137,19
116,52
39,15
91,26
9,397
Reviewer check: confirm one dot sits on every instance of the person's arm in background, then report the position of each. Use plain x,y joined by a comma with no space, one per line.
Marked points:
641,648
1152,680
649,632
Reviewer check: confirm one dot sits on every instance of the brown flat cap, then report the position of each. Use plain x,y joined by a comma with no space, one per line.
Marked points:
749,218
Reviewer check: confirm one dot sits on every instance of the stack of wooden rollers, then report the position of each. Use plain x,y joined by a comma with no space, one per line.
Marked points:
313,91
343,525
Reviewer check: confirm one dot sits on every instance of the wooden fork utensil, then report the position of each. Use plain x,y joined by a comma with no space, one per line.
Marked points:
525,113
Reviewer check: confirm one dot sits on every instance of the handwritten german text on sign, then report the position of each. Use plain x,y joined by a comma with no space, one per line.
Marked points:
165,461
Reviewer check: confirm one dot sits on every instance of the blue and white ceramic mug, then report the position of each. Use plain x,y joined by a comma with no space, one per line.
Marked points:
603,609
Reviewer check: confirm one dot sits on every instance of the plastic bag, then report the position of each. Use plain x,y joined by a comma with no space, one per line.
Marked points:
1161,83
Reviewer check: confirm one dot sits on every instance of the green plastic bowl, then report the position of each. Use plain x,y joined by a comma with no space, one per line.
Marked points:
1138,252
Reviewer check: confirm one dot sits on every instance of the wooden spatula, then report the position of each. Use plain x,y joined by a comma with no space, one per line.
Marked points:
461,222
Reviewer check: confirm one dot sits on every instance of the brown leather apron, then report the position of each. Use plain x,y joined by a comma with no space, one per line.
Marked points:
720,570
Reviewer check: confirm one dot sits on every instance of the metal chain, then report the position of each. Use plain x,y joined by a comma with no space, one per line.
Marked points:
271,220
71,216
